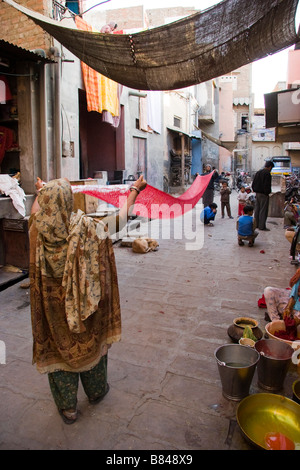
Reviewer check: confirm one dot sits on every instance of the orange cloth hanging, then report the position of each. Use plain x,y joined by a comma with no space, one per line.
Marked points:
101,92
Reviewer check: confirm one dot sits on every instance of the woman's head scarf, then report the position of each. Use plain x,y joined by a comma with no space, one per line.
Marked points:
68,248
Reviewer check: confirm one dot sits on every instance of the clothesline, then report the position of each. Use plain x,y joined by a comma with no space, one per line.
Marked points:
151,203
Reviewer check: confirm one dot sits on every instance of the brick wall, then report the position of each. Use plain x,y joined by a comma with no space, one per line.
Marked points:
138,17
127,18
17,29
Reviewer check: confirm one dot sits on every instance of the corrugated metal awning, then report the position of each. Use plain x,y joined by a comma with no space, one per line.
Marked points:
228,145
9,51
179,131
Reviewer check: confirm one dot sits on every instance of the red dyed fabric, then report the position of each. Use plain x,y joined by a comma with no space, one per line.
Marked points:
290,332
262,302
151,203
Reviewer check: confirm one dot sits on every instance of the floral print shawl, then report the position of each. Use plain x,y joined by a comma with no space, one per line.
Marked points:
75,307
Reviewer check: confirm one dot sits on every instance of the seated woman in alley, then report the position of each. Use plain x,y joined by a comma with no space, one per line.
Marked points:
246,226
284,302
208,214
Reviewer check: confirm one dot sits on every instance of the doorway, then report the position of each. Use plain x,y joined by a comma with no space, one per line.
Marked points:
102,146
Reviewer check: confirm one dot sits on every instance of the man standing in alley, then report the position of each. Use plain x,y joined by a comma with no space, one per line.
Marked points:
262,186
208,196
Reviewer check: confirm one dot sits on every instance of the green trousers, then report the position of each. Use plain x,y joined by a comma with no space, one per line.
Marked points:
64,385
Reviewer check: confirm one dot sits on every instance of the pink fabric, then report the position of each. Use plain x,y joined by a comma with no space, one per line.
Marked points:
151,202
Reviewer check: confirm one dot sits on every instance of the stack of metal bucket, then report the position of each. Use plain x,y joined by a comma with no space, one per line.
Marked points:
237,364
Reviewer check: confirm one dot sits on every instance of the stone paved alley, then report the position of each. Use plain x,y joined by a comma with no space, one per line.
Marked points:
165,391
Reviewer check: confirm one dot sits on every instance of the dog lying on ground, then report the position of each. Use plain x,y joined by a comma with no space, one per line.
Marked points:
144,245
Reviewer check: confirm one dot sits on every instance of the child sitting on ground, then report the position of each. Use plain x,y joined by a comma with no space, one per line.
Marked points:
208,214
246,226
242,199
225,198
291,214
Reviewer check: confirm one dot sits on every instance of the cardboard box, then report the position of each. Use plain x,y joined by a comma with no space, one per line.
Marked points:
88,204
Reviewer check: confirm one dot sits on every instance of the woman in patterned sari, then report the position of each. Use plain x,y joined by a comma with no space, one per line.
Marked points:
282,303
75,308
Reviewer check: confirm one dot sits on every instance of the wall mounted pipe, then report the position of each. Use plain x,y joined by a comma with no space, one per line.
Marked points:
57,112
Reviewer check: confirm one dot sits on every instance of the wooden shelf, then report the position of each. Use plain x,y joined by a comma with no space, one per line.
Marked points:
3,121
13,149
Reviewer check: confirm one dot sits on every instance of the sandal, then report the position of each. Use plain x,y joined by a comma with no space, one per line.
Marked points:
95,401
267,318
69,417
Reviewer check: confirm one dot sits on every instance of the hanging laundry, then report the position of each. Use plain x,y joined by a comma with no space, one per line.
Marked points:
143,113
10,187
108,91
107,116
5,93
102,94
154,110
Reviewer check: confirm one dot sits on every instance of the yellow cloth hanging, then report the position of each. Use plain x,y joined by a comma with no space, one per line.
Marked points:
108,94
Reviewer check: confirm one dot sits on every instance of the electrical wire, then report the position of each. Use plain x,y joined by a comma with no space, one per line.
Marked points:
64,9
105,1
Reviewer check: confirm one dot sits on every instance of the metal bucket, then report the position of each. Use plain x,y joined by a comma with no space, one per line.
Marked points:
296,391
275,358
236,364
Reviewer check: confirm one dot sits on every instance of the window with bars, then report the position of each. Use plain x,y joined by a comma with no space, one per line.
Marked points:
60,8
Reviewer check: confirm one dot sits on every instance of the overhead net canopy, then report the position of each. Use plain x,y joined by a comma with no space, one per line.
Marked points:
200,47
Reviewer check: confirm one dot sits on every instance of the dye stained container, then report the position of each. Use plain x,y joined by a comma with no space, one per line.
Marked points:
275,358
270,421
296,391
